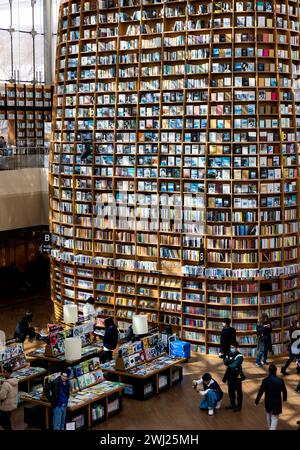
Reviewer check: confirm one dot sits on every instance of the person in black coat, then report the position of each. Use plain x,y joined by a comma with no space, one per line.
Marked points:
234,376
272,387
110,340
23,330
228,336
264,330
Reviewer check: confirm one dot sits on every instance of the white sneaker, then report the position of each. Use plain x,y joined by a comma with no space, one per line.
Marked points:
218,404
210,412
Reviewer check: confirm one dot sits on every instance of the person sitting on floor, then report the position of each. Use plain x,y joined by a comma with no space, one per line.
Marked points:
212,393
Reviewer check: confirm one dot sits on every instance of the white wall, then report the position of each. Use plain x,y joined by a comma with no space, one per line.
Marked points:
24,198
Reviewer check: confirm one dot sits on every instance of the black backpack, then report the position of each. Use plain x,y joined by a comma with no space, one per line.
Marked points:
48,390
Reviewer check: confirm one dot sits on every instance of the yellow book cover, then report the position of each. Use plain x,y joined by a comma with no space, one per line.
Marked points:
237,174
211,202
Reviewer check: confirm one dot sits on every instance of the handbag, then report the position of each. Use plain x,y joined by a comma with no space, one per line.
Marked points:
241,376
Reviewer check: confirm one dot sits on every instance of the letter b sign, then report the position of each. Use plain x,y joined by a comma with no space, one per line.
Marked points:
47,238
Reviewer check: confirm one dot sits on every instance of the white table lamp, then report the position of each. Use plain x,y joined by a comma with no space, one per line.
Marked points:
70,313
140,324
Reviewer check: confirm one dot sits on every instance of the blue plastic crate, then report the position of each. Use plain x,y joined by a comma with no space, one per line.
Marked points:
180,349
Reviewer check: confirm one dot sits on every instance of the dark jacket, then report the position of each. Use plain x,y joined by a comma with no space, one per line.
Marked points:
54,389
23,330
110,338
260,343
228,336
215,387
234,371
265,330
272,387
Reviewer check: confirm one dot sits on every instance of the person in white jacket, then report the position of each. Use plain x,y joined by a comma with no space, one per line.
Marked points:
8,397
89,311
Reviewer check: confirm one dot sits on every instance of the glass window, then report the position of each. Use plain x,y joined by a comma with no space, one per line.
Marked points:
5,56
38,16
55,11
22,15
4,14
39,58
23,56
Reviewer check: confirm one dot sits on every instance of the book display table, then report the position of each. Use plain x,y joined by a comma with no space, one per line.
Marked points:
27,374
95,403
149,378
86,352
14,355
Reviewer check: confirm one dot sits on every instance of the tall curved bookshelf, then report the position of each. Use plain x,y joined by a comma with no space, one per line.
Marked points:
186,113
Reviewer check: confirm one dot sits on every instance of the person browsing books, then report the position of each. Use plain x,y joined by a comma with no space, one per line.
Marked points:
110,340
23,330
228,336
59,397
89,311
264,329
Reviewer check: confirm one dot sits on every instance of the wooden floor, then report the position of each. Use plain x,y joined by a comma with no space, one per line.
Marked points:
176,409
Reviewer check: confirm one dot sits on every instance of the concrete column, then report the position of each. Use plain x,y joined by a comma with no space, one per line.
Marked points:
48,50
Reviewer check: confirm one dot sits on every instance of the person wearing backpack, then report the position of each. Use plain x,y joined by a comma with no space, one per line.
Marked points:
58,393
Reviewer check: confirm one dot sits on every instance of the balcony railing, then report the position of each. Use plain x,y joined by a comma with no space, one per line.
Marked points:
24,157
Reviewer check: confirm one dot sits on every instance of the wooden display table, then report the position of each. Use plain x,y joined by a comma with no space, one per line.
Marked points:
88,351
27,374
149,378
104,391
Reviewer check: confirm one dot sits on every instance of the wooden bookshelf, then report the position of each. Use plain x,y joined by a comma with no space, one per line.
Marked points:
27,108
193,108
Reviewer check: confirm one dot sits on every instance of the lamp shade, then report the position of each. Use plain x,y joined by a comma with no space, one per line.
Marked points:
70,313
72,349
2,340
140,324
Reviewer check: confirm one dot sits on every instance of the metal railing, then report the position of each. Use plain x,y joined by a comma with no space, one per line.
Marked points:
15,158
